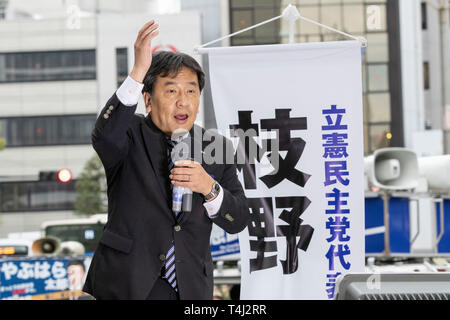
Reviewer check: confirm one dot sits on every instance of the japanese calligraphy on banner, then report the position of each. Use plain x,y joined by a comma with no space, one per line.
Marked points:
295,112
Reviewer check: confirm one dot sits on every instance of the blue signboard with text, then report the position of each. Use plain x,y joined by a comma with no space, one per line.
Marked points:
28,278
223,245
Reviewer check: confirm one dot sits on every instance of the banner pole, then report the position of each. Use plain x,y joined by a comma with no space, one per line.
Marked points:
291,14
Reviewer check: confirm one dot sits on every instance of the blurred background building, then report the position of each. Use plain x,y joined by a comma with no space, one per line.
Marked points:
61,60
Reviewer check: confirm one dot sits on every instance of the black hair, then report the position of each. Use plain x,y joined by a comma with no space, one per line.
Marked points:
168,63
76,262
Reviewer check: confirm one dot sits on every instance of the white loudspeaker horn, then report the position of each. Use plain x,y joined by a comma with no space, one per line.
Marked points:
392,169
71,248
46,246
436,170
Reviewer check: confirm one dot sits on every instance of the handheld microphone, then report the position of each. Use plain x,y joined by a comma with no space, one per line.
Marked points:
181,196
181,199
177,198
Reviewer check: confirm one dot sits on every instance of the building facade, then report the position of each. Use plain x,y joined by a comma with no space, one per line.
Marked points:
56,73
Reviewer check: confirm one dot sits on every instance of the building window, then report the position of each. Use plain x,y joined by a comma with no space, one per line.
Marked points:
47,130
378,79
424,16
426,75
379,135
121,65
37,196
47,66
249,12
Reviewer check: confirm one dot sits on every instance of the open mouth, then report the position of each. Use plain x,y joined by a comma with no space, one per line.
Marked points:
181,117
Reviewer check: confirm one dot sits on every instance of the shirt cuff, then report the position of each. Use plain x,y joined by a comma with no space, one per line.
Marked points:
129,91
213,206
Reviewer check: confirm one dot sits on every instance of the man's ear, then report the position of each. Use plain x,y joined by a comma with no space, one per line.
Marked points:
147,101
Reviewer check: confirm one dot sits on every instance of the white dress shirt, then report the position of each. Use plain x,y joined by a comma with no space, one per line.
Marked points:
128,94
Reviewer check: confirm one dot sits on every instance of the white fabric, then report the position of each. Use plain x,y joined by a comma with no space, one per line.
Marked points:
303,80
213,206
129,91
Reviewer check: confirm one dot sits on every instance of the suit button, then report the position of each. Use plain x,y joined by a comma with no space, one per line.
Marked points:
108,111
162,257
111,107
229,217
106,116
177,228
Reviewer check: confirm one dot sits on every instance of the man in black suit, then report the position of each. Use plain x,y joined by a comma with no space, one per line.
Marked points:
147,251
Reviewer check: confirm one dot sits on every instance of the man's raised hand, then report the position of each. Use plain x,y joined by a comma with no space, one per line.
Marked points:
143,51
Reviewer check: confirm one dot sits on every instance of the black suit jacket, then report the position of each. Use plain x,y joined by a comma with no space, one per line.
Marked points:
141,225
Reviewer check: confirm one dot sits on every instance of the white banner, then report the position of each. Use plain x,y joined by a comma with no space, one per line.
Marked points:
307,220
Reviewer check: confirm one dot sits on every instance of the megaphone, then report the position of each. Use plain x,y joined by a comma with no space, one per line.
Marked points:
51,246
46,246
436,170
71,248
392,169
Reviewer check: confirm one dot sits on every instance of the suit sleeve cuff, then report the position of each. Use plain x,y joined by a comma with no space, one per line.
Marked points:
129,91
212,207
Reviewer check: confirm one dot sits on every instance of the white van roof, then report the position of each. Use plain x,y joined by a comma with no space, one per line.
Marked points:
96,218
15,242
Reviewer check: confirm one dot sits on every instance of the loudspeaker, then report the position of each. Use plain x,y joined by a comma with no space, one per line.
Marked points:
71,248
50,246
436,170
46,246
392,169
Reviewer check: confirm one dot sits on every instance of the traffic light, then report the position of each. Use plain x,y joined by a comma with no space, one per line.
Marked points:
63,175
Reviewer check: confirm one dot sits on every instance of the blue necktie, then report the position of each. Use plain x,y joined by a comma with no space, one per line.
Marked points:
169,268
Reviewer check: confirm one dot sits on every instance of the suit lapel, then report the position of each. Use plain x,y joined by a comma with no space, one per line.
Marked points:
155,145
